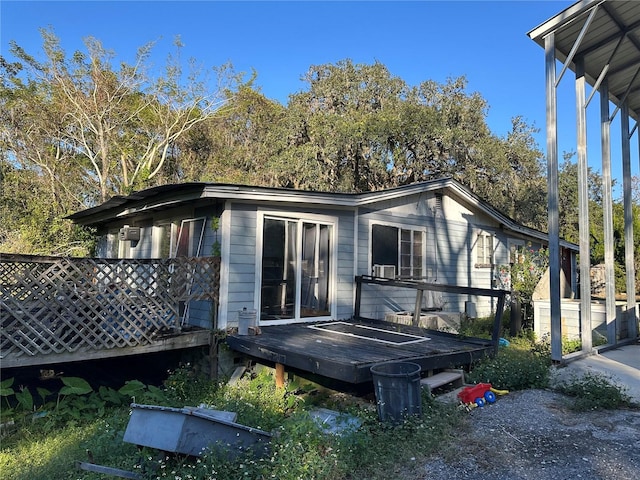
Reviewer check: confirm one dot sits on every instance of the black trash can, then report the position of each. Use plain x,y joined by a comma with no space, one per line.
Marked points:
397,388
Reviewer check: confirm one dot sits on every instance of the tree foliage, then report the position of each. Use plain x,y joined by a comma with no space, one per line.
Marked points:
114,127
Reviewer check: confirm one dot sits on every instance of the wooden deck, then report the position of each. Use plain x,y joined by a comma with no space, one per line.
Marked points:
345,351
58,310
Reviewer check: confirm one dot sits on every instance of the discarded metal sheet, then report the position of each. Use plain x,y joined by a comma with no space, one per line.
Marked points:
192,431
334,422
113,472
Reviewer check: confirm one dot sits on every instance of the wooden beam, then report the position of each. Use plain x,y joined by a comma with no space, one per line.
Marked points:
436,287
184,340
279,375
418,309
356,310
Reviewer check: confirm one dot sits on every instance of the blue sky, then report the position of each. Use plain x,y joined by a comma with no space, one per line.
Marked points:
483,40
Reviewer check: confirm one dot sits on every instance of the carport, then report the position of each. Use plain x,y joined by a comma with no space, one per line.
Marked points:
599,41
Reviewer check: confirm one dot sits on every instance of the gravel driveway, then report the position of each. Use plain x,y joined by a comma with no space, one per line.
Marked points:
532,434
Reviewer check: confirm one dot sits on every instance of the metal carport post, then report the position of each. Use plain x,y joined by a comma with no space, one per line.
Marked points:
600,41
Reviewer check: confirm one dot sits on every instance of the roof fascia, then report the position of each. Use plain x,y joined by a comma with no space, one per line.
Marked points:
344,200
351,200
119,209
369,198
562,19
244,193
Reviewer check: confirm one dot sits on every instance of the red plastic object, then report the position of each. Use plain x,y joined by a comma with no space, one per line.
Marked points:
469,394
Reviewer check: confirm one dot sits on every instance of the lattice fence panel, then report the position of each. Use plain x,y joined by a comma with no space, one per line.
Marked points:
54,305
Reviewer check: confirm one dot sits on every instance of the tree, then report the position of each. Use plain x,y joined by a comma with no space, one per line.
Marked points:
236,144
31,222
569,211
118,125
619,245
81,130
358,128
75,130
339,129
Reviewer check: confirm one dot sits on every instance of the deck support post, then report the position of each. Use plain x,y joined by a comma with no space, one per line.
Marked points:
497,323
213,357
416,314
356,310
279,375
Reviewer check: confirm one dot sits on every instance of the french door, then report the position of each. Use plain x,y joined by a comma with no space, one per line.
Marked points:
295,282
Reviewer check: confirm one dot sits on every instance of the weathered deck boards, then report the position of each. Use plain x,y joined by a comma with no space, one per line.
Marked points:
348,358
185,339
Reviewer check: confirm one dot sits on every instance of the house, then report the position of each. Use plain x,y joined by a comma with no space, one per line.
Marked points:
292,256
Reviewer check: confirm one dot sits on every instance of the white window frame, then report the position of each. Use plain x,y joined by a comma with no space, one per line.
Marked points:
157,238
333,257
480,248
411,228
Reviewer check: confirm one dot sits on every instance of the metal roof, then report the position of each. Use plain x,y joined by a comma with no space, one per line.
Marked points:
610,45
174,195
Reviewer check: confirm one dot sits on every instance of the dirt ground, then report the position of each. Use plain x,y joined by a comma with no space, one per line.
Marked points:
533,434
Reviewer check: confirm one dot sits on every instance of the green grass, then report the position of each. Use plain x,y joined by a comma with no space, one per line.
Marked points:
38,453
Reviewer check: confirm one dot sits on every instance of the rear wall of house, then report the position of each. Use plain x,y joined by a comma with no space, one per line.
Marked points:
451,231
242,272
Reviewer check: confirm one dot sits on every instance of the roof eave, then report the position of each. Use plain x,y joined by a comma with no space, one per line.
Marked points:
562,19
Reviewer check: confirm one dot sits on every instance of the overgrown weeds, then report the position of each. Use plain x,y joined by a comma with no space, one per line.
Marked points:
594,391
516,367
299,447
56,429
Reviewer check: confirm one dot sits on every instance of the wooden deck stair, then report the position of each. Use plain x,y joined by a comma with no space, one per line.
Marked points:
454,378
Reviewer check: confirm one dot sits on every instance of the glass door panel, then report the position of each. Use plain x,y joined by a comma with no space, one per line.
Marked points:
295,282
314,292
278,289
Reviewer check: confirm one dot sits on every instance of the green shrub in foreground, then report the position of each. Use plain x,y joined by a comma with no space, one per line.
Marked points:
513,368
593,391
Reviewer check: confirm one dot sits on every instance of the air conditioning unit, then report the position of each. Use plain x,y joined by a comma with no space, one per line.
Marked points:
129,233
384,271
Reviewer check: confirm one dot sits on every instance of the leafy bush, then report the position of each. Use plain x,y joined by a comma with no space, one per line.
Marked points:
569,345
593,391
185,385
482,327
516,367
75,401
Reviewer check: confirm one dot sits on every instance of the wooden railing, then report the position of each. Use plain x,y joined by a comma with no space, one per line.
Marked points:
51,305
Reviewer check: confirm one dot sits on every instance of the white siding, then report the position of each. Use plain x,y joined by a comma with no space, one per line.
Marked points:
344,295
241,272
450,256
450,225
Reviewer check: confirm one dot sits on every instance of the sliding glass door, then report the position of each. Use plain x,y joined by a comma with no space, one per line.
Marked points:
278,289
296,265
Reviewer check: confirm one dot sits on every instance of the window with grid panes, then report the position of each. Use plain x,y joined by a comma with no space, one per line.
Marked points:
484,250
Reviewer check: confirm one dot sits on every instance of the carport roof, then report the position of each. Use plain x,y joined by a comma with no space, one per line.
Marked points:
610,45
